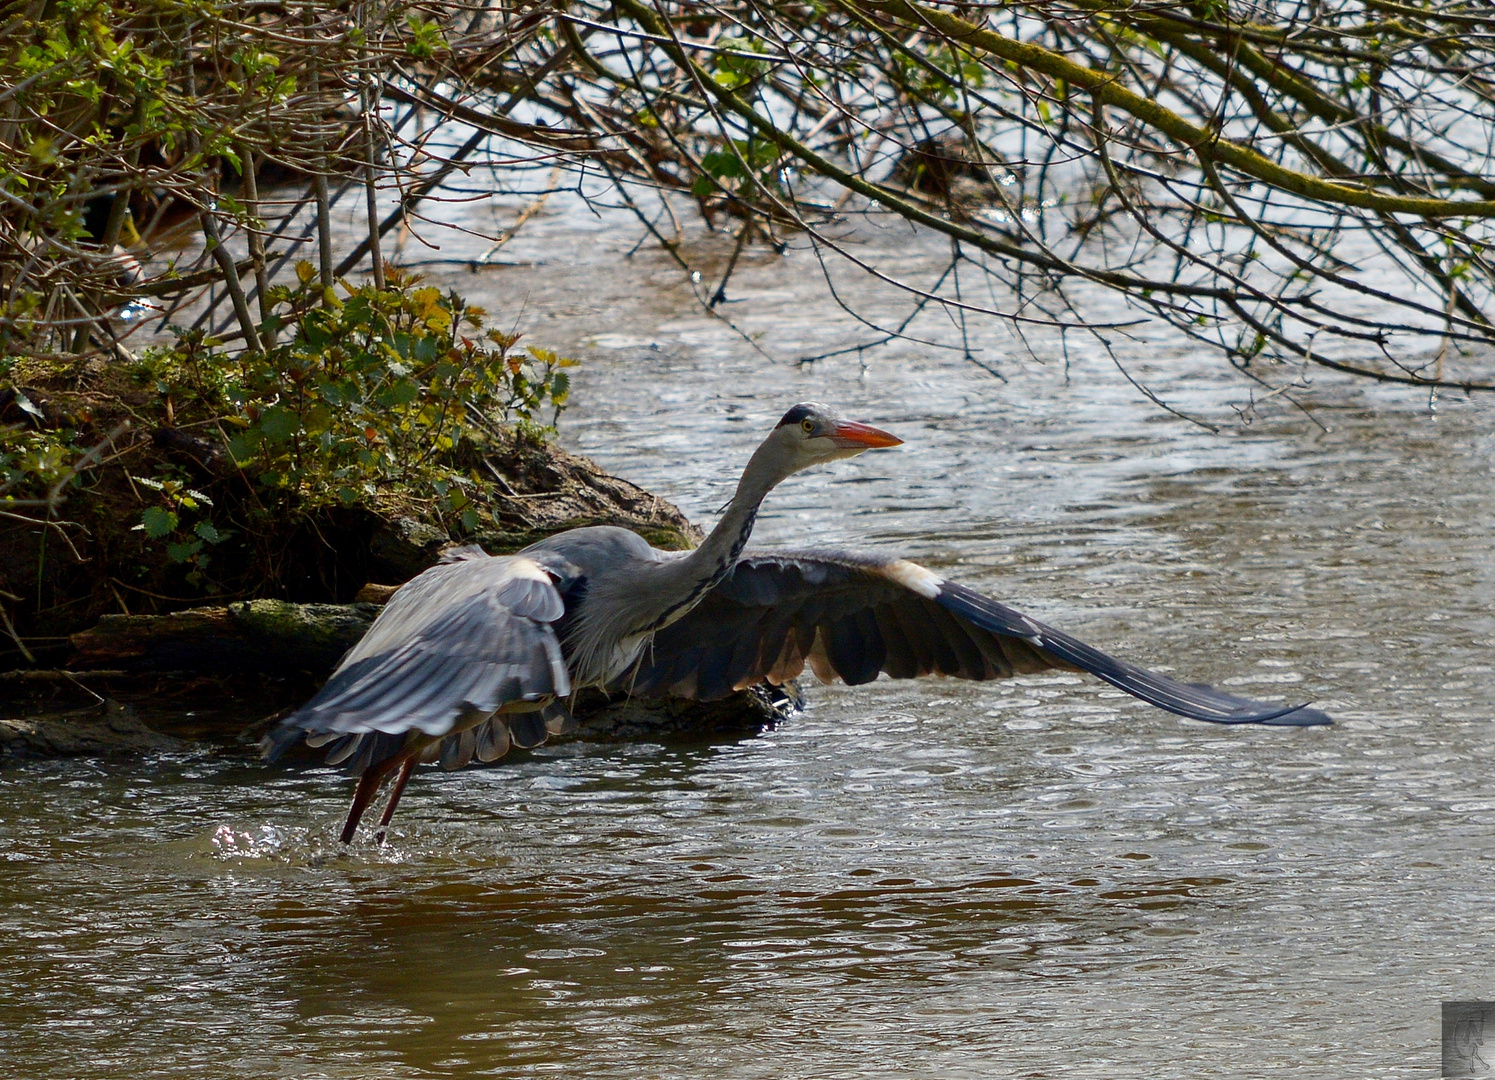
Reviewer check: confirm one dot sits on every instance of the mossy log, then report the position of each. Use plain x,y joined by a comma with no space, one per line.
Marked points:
252,637
306,641
283,650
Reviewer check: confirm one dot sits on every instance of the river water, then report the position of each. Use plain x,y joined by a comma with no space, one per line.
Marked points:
1031,878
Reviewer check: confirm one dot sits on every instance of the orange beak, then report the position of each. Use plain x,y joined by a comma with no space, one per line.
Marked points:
849,433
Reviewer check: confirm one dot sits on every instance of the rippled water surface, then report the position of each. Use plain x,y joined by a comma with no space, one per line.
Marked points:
1031,878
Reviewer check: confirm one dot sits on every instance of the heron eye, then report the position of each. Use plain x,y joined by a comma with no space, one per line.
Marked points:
808,425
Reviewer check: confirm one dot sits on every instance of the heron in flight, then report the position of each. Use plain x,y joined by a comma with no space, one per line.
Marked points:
478,653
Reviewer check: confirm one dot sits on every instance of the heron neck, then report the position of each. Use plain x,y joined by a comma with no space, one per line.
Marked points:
719,552
699,571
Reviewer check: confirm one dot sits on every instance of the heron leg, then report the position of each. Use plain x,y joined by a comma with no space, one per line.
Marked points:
368,787
406,769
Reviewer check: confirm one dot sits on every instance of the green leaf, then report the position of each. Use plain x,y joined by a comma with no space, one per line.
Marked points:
278,424
400,393
158,522
241,447
722,163
184,551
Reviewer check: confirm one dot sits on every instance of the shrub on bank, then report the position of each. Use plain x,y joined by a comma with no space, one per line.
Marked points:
210,469
380,399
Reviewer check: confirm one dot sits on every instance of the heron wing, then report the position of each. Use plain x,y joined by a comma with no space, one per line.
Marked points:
463,639
853,617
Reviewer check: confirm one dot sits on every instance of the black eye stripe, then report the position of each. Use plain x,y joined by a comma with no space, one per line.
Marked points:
795,415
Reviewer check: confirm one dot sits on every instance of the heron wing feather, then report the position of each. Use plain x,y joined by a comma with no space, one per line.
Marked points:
854,616
463,639
1195,700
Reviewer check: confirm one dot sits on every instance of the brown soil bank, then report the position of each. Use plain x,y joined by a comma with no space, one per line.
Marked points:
94,559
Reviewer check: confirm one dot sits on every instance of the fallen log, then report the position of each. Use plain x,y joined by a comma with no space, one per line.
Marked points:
250,638
284,649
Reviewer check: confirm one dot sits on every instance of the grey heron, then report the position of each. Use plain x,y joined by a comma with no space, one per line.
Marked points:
477,653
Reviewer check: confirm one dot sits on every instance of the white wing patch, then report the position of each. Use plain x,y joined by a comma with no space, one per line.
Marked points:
914,578
527,568
625,653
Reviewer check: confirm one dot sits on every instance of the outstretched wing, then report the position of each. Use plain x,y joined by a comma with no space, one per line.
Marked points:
854,616
460,641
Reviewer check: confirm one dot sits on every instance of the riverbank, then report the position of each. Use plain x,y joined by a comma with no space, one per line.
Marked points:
135,681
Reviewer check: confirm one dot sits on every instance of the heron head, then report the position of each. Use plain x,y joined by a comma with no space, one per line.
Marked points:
811,433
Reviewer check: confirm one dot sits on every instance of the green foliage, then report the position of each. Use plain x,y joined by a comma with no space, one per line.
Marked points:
157,101
31,461
377,394
425,38
157,522
740,166
169,522
942,73
112,76
731,68
379,400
